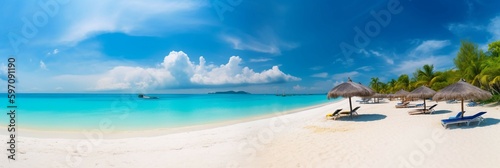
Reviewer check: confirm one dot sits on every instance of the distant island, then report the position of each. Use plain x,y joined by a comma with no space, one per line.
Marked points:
230,92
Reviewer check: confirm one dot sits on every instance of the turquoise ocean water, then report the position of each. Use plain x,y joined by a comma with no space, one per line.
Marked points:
128,112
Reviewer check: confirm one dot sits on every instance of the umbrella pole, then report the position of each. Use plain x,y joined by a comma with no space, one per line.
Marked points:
350,106
463,108
425,107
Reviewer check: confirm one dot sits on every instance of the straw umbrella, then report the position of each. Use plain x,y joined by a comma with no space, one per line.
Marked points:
401,93
422,92
378,95
390,96
462,91
350,89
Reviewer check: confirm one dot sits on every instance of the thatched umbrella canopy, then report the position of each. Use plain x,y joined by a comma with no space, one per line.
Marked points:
378,95
461,91
350,89
422,92
401,93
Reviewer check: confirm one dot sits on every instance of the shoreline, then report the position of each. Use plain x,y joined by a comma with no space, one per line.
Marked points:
379,136
123,134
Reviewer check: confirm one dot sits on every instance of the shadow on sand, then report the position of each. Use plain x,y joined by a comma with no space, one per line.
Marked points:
363,117
441,112
492,104
486,122
489,122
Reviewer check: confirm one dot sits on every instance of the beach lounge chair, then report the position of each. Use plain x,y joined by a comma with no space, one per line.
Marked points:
430,110
404,105
414,105
364,100
472,104
451,101
334,114
475,118
338,114
459,114
349,112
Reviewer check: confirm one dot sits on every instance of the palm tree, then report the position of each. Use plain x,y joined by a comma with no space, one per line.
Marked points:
403,82
413,84
477,67
445,78
490,75
469,62
391,85
426,76
494,49
375,84
384,88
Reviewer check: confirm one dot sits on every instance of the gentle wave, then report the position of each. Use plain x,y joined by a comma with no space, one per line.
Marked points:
128,112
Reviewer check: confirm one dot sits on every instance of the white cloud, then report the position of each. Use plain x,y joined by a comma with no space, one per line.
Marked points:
320,75
346,61
344,76
122,77
409,66
322,86
383,56
261,60
252,45
365,68
430,46
376,53
299,88
264,42
389,61
42,65
364,52
3,72
368,54
337,83
459,28
316,68
424,54
494,28
54,52
177,70
130,17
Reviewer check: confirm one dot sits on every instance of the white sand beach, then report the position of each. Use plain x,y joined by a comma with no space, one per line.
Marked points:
381,136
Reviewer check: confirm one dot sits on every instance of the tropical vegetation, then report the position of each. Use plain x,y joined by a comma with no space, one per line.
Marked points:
477,67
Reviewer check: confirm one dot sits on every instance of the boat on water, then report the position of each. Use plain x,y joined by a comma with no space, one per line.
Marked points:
142,96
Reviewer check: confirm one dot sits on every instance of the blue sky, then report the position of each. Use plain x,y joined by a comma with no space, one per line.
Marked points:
198,46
